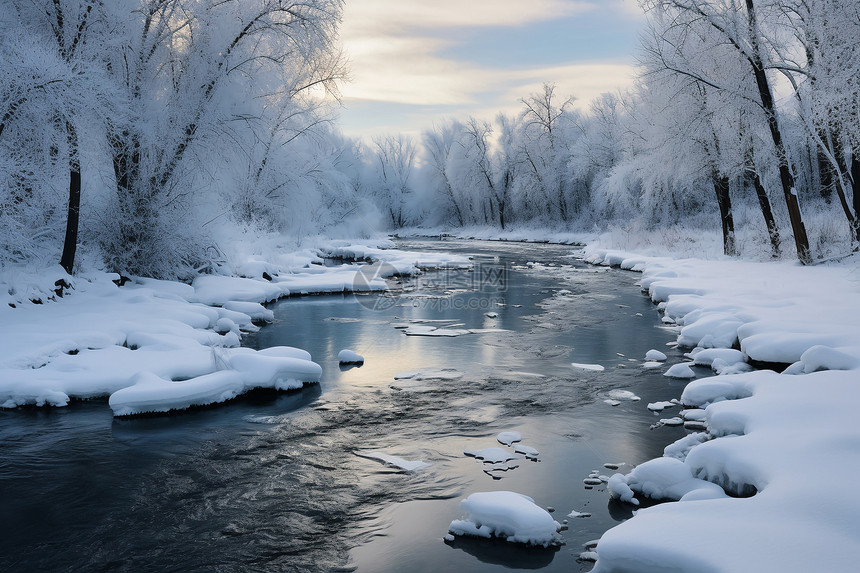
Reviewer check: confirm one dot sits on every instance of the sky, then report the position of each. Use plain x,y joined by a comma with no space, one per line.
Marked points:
416,62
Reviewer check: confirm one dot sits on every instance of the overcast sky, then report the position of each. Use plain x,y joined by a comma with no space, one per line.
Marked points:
414,62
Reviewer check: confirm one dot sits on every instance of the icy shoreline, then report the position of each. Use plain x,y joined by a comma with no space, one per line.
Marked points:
772,440
155,346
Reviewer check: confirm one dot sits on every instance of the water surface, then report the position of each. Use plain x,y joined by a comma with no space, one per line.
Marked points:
288,482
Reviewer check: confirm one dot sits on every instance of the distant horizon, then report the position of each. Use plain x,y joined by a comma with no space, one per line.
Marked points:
413,64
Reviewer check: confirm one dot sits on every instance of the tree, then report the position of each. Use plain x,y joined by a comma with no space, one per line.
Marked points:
738,27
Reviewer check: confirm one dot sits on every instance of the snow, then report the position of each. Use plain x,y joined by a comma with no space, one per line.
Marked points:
660,406
508,515
681,370
509,437
767,437
156,346
492,455
623,395
655,356
347,356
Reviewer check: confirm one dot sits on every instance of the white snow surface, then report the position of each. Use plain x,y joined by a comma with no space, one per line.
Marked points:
509,515
770,436
154,345
347,356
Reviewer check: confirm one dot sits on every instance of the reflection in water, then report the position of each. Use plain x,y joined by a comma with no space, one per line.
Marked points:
276,482
500,552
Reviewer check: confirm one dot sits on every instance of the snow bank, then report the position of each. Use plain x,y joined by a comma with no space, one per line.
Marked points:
508,515
154,345
770,437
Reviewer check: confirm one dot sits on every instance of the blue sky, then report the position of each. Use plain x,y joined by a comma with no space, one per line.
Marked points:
414,62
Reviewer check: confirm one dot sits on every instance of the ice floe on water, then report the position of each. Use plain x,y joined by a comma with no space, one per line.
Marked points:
492,455
528,451
681,370
624,395
592,367
578,514
509,437
507,515
395,461
660,406
655,356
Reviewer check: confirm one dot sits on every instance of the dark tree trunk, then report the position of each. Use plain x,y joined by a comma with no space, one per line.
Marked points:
721,187
789,189
855,191
767,212
825,174
70,244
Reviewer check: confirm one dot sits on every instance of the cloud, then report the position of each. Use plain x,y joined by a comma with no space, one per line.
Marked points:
415,53
364,17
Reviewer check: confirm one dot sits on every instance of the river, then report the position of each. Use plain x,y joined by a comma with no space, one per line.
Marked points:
293,482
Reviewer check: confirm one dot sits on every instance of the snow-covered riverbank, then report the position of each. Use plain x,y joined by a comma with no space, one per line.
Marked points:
776,443
154,346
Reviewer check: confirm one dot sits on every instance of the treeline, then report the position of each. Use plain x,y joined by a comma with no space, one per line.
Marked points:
736,101
134,128
137,133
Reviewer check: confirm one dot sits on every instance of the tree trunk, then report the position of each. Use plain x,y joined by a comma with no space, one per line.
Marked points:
70,244
721,187
855,191
789,189
767,212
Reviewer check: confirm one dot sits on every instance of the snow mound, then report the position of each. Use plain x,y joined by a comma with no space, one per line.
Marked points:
149,393
662,479
507,515
681,370
655,356
347,356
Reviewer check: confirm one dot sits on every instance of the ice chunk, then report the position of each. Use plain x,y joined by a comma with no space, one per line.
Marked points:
508,515
528,451
509,437
347,356
655,356
406,465
681,370
594,367
623,395
492,455
576,514
660,406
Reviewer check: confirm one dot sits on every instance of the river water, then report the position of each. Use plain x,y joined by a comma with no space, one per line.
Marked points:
293,482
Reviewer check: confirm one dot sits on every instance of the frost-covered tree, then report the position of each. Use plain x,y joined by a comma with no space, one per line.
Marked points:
751,32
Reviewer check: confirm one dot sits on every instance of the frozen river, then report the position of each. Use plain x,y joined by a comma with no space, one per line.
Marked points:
294,482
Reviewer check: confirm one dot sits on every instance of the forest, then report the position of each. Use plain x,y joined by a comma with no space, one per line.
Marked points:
140,136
